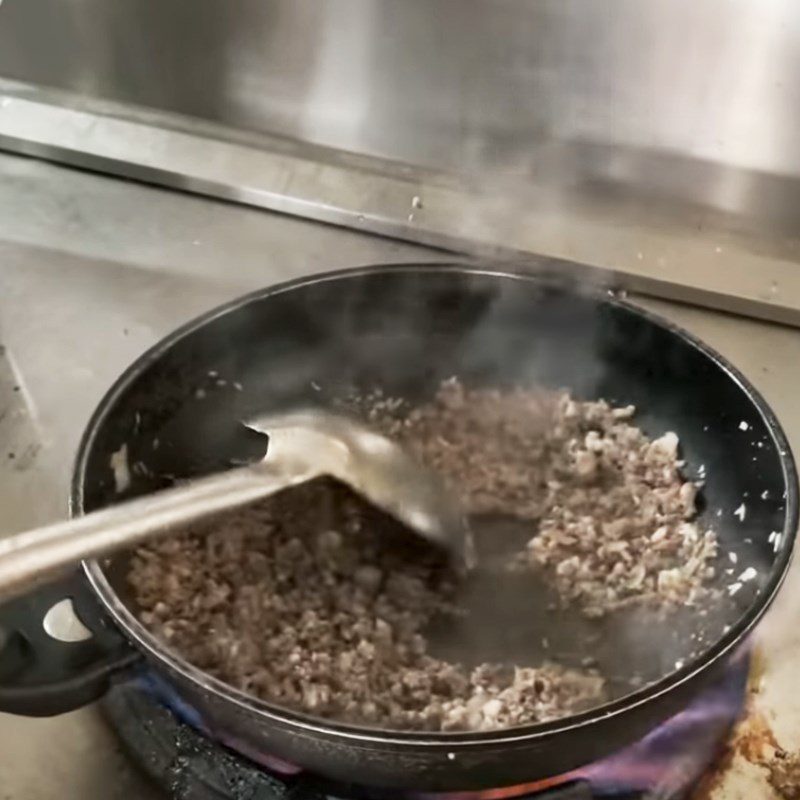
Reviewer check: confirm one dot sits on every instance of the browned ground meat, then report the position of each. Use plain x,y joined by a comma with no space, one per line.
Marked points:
611,515
311,600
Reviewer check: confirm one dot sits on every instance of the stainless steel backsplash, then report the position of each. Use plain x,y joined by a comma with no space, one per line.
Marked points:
449,83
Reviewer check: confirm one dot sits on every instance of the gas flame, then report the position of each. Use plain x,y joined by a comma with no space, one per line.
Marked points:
665,763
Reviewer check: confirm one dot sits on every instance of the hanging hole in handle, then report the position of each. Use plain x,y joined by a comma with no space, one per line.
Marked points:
61,622
51,668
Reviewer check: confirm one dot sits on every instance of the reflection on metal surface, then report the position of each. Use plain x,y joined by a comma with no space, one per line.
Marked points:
671,249
439,82
602,133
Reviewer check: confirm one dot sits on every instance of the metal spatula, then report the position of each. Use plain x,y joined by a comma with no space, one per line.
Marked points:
302,446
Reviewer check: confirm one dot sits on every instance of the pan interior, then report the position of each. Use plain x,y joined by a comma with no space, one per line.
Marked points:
404,332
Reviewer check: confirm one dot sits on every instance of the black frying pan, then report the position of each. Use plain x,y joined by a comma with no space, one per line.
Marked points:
405,329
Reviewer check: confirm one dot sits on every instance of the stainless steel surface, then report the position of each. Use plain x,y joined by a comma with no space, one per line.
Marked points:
301,447
94,270
676,246
559,118
440,82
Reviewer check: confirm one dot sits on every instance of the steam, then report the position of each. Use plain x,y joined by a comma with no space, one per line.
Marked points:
523,213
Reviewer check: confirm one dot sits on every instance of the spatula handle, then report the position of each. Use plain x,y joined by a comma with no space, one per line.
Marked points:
35,557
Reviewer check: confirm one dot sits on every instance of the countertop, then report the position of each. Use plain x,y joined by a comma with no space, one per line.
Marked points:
95,269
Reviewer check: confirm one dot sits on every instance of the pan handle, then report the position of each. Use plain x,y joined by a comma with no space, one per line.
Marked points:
50,661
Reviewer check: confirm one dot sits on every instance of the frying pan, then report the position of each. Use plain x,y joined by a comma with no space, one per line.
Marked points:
404,329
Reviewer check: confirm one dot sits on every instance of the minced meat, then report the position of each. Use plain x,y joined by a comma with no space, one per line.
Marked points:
314,601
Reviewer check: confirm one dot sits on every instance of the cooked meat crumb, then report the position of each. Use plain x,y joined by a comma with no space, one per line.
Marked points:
611,516
311,600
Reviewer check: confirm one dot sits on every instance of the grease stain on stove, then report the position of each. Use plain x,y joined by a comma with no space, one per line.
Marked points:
754,739
21,504
784,774
27,458
752,764
751,746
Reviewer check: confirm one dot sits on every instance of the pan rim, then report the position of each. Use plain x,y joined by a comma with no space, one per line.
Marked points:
151,647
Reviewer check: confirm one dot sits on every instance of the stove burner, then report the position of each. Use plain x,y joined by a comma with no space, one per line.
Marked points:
665,764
